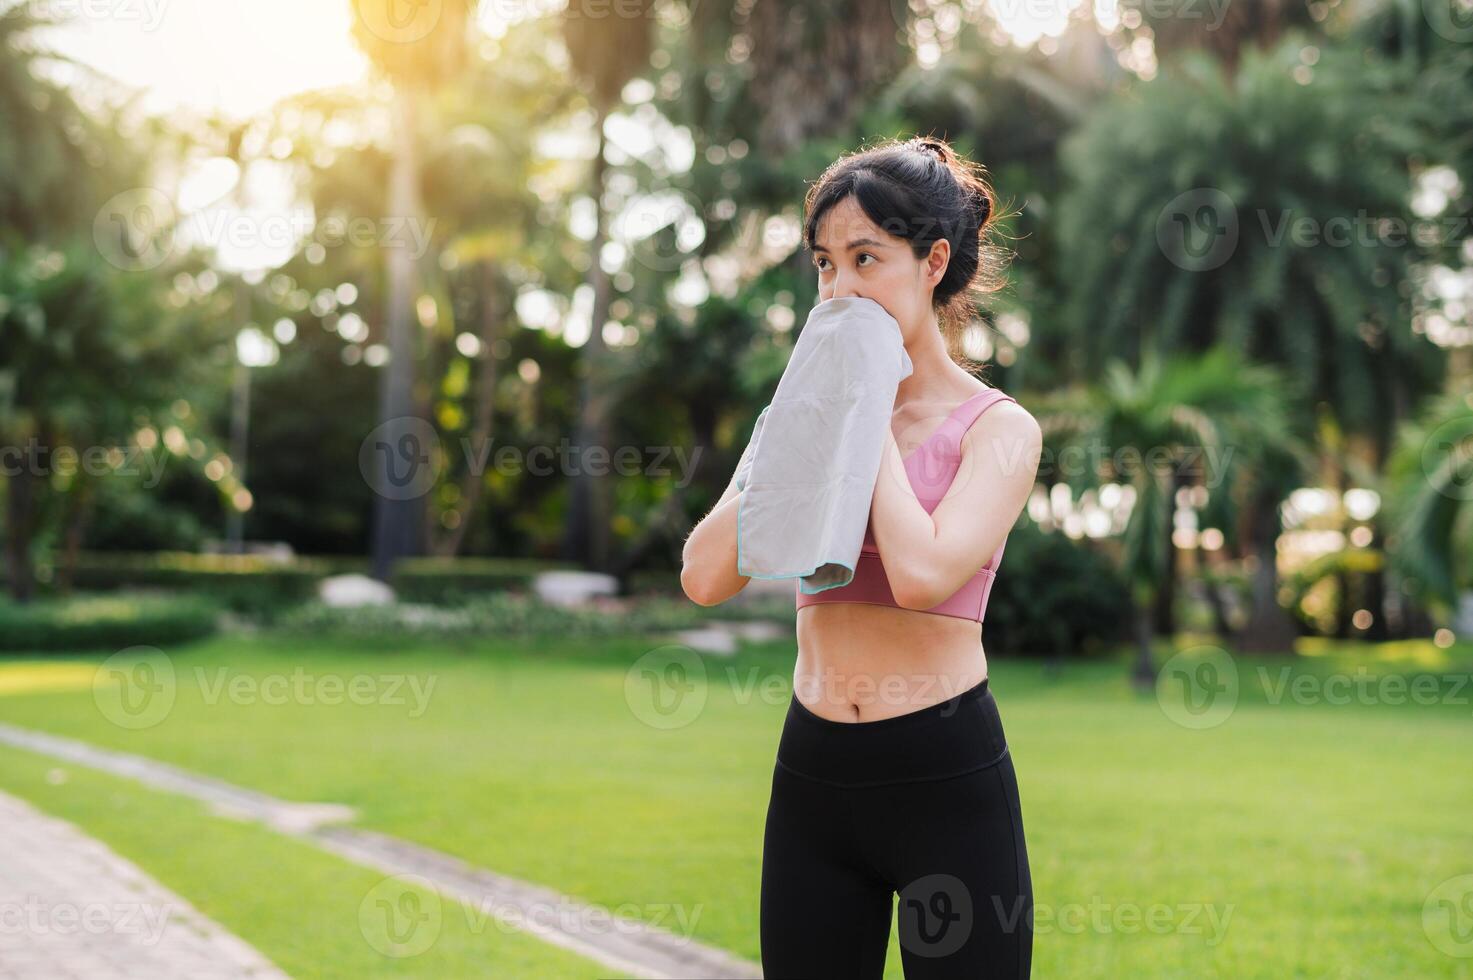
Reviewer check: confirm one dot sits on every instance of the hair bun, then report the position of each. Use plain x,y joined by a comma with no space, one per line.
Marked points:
929,144
981,203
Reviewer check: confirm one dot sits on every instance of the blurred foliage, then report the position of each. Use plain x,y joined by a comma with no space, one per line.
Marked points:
252,584
105,622
1055,596
1113,148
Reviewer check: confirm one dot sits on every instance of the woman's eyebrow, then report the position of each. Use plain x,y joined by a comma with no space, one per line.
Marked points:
854,244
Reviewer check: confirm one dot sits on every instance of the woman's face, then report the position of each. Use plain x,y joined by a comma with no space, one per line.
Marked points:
855,257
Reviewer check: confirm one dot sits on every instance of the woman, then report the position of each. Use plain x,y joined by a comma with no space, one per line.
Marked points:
893,773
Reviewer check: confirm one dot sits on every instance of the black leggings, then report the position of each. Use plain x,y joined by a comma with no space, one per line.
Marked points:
924,804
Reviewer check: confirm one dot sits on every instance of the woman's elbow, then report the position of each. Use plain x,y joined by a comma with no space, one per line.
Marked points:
914,590
697,588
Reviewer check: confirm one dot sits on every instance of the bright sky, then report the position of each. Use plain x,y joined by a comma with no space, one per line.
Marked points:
240,56
237,56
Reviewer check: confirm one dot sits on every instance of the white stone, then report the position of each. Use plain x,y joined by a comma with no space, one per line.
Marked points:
343,591
717,641
569,588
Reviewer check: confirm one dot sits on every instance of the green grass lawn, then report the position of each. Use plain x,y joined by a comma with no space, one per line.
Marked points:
1298,837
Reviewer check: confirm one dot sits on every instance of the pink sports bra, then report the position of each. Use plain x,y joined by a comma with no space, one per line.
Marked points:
931,467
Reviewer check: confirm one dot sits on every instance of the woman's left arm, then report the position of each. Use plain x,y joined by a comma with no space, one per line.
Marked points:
927,557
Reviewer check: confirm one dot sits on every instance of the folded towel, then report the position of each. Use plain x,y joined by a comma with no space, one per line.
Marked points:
814,456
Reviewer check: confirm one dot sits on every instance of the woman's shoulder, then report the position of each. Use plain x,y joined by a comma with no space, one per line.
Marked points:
1005,418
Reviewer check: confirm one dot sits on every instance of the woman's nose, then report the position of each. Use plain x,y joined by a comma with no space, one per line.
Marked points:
844,286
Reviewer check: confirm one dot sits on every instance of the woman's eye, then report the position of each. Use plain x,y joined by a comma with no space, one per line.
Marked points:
865,255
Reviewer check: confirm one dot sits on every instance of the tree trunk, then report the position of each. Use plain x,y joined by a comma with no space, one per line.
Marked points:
397,507
587,538
22,509
1269,628
20,504
1165,603
473,483
1143,674
78,510
1213,591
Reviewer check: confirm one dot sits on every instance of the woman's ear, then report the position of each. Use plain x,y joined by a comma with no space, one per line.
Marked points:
937,260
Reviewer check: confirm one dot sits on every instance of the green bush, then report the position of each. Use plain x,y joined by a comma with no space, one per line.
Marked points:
105,622
252,584
1055,596
517,614
454,581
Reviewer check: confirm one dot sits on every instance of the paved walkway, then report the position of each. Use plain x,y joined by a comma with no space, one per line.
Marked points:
71,908
625,944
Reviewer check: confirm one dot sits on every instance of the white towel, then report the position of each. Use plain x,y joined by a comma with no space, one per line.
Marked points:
815,452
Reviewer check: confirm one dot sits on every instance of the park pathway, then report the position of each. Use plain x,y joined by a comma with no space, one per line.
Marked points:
621,943
71,908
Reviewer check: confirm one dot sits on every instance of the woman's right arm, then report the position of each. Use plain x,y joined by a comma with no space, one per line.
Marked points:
708,564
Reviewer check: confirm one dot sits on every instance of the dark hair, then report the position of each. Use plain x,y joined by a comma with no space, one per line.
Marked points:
919,189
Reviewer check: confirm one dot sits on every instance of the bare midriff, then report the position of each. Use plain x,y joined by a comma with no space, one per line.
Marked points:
861,661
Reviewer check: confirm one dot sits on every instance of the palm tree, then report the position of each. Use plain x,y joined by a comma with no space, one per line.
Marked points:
1430,487
1184,227
1179,411
416,56
606,53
